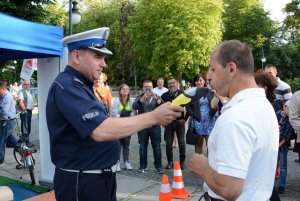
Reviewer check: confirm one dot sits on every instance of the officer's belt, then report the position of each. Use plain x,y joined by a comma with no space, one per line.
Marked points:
99,171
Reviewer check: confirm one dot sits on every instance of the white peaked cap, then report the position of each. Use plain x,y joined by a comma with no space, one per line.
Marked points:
93,39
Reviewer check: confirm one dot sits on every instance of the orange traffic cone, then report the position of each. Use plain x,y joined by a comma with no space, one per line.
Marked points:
165,193
178,190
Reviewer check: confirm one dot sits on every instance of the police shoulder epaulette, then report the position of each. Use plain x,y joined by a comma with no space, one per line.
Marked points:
77,81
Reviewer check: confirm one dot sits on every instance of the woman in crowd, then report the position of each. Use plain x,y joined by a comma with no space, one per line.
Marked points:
202,114
269,83
122,107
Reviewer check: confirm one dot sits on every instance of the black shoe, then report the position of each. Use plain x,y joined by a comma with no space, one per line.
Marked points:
142,170
281,189
169,166
182,166
159,170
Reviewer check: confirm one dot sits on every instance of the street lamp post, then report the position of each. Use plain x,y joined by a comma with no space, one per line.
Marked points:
15,62
263,59
74,15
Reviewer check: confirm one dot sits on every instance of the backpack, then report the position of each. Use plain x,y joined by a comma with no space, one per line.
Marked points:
18,107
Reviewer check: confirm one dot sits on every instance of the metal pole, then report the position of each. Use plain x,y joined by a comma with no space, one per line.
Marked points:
70,17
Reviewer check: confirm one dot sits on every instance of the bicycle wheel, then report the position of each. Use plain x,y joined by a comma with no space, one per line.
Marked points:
31,173
18,157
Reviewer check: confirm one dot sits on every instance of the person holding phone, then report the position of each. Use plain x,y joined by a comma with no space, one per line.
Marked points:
147,102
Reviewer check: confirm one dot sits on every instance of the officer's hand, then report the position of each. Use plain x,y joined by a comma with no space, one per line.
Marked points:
166,113
198,164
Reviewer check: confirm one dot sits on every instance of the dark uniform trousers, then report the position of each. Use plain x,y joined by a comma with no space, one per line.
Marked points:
84,186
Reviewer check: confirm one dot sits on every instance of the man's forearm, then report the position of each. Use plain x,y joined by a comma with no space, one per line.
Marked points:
116,128
22,105
223,185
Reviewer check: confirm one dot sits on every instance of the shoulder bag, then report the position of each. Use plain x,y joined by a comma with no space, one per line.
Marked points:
191,136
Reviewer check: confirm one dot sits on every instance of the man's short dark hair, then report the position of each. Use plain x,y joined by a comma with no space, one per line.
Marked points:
3,85
171,78
237,52
147,81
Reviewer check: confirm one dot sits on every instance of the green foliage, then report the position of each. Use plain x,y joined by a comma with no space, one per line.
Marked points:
154,38
292,20
8,74
286,58
31,10
103,13
171,38
246,20
294,83
56,16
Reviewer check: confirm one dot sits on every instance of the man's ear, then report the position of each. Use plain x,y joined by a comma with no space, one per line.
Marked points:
75,54
232,67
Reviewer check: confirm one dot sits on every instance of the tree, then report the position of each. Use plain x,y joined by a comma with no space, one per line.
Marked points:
292,20
57,16
104,13
285,53
246,20
31,10
172,38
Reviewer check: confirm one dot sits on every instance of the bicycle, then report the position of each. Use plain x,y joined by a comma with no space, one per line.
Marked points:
24,155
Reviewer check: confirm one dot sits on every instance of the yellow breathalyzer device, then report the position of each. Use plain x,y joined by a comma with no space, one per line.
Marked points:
189,96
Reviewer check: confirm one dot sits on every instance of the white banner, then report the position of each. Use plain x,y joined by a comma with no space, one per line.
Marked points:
29,65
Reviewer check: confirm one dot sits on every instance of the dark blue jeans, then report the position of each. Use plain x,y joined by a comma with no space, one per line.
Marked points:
169,133
6,134
283,166
26,124
154,133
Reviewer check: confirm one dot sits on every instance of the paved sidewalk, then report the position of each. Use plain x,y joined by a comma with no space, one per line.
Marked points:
135,186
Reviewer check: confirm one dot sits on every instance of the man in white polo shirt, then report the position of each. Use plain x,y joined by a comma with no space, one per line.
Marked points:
160,89
243,144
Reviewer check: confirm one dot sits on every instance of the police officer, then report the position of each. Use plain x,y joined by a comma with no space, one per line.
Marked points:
84,142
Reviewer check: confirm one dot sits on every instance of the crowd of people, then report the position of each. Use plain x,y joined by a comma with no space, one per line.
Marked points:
202,116
14,99
243,120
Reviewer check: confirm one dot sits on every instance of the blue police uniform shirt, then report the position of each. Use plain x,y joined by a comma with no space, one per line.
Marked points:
72,113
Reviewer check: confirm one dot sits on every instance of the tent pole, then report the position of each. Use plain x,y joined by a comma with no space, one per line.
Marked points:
70,17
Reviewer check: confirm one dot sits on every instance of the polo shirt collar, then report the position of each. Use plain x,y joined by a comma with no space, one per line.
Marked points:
244,94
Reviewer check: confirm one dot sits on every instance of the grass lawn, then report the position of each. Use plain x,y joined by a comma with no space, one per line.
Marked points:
4,181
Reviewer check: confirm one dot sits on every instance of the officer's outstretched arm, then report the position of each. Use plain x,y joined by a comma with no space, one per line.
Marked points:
116,128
